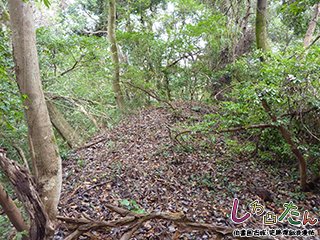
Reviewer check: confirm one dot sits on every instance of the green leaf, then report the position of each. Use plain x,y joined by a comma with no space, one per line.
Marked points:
125,202
47,3
24,97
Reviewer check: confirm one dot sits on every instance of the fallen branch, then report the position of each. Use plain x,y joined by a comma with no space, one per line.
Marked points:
134,220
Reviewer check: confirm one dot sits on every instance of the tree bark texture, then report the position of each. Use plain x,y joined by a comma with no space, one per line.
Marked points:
13,213
114,55
312,25
48,161
63,127
261,25
244,23
41,226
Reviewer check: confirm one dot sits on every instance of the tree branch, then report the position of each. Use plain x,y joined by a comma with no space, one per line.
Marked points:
150,94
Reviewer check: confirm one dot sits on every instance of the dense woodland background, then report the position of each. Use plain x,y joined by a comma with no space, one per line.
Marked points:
228,83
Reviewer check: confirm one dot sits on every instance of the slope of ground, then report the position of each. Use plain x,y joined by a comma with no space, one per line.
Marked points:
138,165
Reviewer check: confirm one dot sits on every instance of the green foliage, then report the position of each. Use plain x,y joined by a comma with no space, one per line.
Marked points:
132,206
77,66
290,87
7,231
297,15
47,3
12,124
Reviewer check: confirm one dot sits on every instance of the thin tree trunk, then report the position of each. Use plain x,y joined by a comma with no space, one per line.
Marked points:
261,37
13,212
244,24
63,127
128,20
261,25
312,25
48,161
295,150
115,55
23,157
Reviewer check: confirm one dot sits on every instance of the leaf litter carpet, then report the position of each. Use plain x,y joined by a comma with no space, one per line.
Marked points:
138,166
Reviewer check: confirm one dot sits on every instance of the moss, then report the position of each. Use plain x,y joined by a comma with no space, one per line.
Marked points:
261,30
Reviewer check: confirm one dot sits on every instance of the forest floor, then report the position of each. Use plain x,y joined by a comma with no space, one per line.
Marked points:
139,166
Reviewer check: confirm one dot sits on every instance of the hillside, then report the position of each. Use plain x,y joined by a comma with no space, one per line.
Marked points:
138,164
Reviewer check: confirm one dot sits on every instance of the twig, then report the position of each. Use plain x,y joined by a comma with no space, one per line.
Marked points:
23,157
81,108
306,48
150,94
299,113
73,68
230,86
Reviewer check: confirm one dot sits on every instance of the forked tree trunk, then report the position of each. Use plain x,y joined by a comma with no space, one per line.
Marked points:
114,54
48,162
63,127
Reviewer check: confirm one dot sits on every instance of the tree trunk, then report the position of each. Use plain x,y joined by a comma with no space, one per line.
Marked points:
244,24
48,161
261,37
312,25
13,212
63,127
295,150
41,226
261,25
114,54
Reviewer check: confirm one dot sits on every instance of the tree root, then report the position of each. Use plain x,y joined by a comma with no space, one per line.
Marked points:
133,221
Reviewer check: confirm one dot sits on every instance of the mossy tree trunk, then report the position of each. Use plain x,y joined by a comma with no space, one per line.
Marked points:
261,25
114,55
47,159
